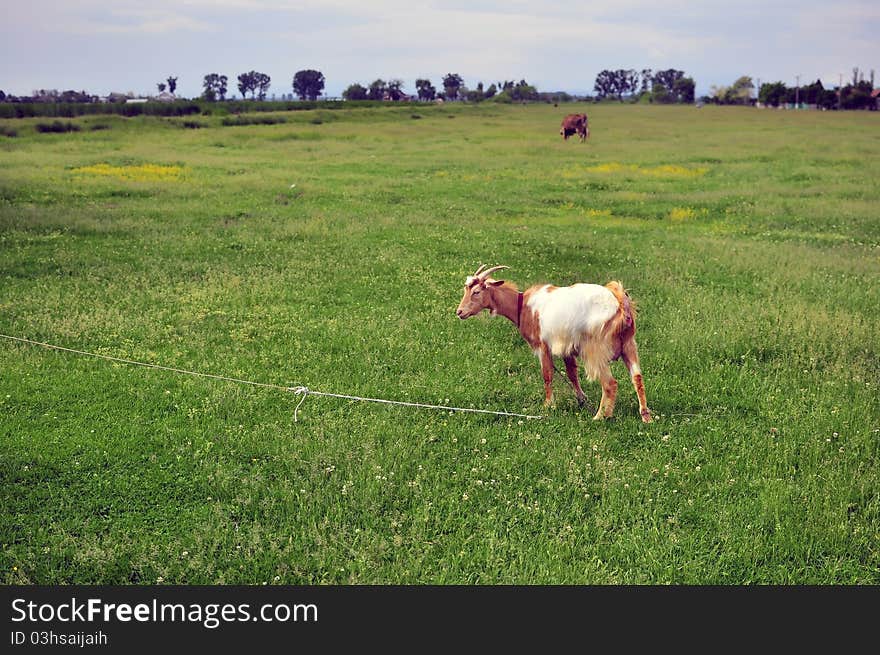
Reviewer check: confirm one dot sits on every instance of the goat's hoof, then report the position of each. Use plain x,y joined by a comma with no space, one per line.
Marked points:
646,417
582,402
599,417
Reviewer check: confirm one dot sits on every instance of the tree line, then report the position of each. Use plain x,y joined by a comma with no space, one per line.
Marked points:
646,85
855,95
663,86
307,84
453,88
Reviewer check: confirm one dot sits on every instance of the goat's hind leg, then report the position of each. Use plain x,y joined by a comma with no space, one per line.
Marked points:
630,356
609,393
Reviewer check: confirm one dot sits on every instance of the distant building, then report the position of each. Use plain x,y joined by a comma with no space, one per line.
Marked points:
401,97
115,97
164,96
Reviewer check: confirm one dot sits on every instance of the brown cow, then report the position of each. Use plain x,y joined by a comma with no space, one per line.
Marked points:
575,123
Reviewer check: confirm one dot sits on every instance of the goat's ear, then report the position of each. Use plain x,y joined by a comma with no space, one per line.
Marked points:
495,283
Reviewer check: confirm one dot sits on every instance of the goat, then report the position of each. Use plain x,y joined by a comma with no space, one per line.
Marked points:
588,321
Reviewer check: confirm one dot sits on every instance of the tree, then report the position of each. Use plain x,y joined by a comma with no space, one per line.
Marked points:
812,93
452,82
377,89
827,99
491,91
308,84
523,91
261,84
661,95
625,82
683,90
474,95
719,94
160,86
771,94
172,84
646,79
668,77
605,84
425,89
618,83
215,87
246,83
741,91
254,82
394,90
856,96
355,92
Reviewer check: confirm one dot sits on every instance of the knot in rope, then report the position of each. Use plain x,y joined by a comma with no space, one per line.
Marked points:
298,390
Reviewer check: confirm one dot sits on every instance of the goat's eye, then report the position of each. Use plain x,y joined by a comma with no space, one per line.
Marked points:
475,292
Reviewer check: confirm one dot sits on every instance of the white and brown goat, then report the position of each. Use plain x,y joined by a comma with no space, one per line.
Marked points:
593,322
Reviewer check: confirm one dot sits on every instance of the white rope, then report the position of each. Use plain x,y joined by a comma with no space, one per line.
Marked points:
303,390
306,391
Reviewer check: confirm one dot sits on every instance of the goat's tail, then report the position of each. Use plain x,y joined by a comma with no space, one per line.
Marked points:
627,311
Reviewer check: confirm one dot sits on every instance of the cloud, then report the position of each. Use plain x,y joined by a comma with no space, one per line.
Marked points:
555,44
97,17
419,40
141,22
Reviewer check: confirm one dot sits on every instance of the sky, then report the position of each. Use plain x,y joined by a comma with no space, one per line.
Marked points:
104,46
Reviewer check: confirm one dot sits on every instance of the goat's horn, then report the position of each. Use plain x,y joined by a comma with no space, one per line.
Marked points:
485,274
482,266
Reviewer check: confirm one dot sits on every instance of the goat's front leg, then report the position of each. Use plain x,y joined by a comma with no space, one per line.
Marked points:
571,369
547,371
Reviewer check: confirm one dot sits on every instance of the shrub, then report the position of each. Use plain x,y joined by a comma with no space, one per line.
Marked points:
8,131
503,98
254,120
57,126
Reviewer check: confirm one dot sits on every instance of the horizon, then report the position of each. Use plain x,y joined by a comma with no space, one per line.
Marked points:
102,48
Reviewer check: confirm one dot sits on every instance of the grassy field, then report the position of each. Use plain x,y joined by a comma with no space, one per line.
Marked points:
749,239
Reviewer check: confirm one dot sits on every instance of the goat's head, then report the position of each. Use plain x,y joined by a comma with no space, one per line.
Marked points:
476,296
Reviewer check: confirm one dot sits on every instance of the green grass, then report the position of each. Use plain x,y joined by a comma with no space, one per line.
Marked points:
748,238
